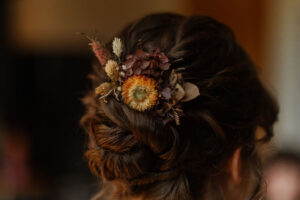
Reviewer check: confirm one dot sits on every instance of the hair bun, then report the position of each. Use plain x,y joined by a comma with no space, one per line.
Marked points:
143,156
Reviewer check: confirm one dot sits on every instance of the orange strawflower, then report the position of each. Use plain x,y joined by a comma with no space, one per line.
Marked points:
139,92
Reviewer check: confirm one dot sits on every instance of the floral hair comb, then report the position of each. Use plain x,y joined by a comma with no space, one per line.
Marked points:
144,81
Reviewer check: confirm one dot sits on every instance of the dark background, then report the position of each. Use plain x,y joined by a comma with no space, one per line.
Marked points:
40,111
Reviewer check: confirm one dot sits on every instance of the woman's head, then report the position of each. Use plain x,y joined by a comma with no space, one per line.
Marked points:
139,156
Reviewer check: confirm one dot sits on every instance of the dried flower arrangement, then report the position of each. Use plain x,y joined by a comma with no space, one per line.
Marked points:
144,81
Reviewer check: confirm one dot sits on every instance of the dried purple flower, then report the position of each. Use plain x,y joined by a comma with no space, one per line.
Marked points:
151,64
166,93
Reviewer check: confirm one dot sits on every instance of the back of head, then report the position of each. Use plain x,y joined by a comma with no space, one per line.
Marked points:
138,156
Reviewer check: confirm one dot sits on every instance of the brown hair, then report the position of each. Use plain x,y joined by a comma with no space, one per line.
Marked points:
139,156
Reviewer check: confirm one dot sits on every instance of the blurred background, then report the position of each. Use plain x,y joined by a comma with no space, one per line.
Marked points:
43,75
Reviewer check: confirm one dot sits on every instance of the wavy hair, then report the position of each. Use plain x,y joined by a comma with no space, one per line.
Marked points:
137,156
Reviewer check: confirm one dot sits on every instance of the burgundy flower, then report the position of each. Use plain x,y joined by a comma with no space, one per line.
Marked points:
151,64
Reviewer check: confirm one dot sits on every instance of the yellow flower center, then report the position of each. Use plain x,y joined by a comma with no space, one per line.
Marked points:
140,93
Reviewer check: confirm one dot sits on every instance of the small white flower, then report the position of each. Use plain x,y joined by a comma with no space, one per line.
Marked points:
122,74
117,46
124,67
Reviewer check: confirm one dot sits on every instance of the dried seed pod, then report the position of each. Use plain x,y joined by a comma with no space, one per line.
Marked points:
97,48
104,88
98,51
176,118
117,47
112,70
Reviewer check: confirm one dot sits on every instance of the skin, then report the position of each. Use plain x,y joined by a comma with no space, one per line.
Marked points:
234,188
